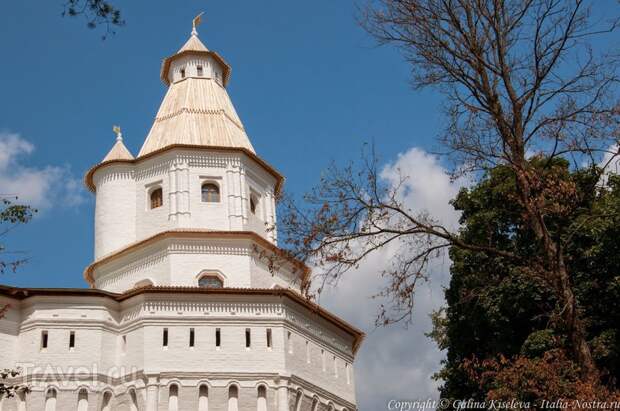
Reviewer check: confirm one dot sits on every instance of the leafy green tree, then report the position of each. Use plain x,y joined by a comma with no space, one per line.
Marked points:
501,318
518,77
11,215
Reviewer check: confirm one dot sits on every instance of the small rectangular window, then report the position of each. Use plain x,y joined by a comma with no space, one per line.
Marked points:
335,367
218,339
346,368
323,359
165,337
248,341
43,339
268,337
289,342
72,339
182,73
199,71
124,343
192,337
308,351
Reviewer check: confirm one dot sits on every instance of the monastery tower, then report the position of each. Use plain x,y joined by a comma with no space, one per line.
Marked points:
185,310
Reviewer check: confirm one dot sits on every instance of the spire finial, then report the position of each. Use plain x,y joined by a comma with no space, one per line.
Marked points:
196,22
117,131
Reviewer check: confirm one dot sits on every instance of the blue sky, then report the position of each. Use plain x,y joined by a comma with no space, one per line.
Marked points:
307,81
310,86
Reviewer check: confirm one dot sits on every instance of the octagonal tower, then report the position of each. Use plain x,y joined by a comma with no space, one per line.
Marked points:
196,189
185,310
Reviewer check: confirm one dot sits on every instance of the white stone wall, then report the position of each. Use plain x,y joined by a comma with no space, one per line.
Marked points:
123,214
115,216
188,392
181,262
103,360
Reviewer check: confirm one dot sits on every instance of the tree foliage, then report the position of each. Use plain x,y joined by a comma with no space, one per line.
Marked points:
96,12
503,321
520,79
12,214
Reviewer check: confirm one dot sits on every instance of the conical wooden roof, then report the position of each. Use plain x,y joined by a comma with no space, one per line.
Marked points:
193,44
196,110
118,152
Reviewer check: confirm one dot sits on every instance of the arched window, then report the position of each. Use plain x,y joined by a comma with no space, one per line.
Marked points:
107,399
210,281
182,73
133,406
50,400
157,198
210,193
233,398
21,400
261,400
82,404
173,398
315,404
203,398
298,399
253,203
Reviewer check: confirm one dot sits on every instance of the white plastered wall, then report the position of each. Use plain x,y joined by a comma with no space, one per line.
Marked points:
181,262
123,214
99,325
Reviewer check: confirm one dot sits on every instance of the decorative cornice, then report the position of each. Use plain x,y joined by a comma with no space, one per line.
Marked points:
88,178
24,293
198,234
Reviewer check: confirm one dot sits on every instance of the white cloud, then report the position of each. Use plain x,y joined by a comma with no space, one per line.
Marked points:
611,162
397,362
41,187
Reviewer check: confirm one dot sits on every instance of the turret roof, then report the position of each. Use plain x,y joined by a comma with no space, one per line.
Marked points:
118,152
196,110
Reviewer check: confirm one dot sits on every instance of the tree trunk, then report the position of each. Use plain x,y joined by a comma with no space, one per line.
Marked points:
571,317
560,278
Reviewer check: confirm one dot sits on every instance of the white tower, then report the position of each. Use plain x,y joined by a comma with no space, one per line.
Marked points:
196,183
186,309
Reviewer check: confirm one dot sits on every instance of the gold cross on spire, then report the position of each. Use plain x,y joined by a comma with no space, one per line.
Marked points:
196,22
117,131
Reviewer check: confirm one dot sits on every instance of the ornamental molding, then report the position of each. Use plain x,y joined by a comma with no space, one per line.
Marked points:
199,247
120,172
118,271
320,332
213,308
153,169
